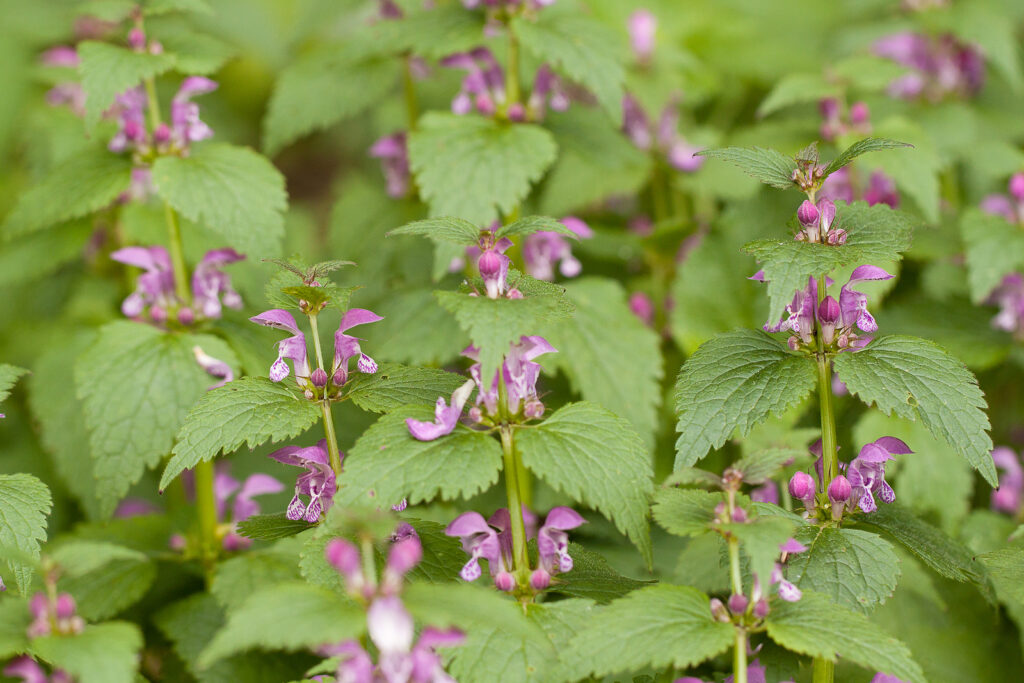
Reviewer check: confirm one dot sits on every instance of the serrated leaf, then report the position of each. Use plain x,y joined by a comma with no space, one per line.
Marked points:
443,556
732,383
916,379
854,568
817,627
759,466
36,256
593,345
494,324
14,622
102,653
862,147
271,527
797,89
9,375
24,503
417,330
532,224
599,460
249,411
767,165
394,386
195,52
449,229
593,578
432,33
685,512
241,576
994,249
874,233
108,70
232,190
86,182
91,568
561,621
658,626
322,89
1006,567
288,616
580,47
937,550
387,463
475,167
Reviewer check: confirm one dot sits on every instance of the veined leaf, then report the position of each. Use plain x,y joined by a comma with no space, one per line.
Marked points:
862,147
767,165
109,70
102,653
24,503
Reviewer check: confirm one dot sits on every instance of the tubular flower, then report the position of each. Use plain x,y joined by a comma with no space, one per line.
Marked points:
293,348
866,472
520,374
940,66
28,671
665,139
480,540
483,88
211,286
346,347
642,26
834,123
553,545
542,250
53,615
817,222
445,416
880,188
243,507
1008,497
318,482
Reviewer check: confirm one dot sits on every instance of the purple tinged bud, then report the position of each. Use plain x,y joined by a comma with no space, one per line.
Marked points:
540,579
65,606
719,612
739,515
319,378
533,410
162,134
761,609
801,487
827,209
517,112
738,603
405,555
158,314
137,38
343,556
839,491
828,311
489,264
338,379
1017,186
186,316
807,213
504,581
859,113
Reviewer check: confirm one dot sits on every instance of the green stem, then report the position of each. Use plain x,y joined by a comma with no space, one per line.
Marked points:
331,437
739,664
316,341
739,657
206,509
412,108
824,671
153,104
177,254
369,566
828,418
512,80
520,559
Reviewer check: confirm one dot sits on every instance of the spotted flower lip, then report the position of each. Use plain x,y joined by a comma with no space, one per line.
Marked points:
480,540
292,348
346,346
553,542
866,472
318,482
445,416
542,250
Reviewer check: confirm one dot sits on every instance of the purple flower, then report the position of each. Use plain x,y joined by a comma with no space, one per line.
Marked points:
1007,497
542,250
801,487
553,542
210,284
445,416
493,266
886,678
212,366
394,158
53,615
130,110
69,93
548,91
135,507
292,348
767,492
866,472
405,554
186,127
940,65
666,140
480,540
839,493
346,347
880,188
155,287
244,507
853,305
835,124
817,222
642,307
484,84
29,671
318,481
354,663
643,26
520,374
787,591
391,629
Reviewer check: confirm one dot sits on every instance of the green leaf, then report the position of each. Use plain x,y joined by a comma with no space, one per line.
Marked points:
432,33
249,411
985,24
24,503
388,463
916,379
817,627
767,165
14,622
1006,566
322,89
596,345
854,568
443,556
685,512
80,185
271,527
9,375
580,47
532,224
994,249
593,578
108,70
417,330
599,460
288,616
232,190
659,626
760,538
195,52
759,466
475,167
862,147
137,383
90,569
243,575
732,383
494,324
561,621
102,653
36,256
874,233
394,386
797,89
448,229
937,550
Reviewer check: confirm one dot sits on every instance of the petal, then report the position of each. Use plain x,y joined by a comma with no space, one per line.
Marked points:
471,570
789,592
467,524
792,546
868,272
578,227
872,452
390,625
894,445
194,85
260,484
357,316
287,455
279,319
563,518
427,431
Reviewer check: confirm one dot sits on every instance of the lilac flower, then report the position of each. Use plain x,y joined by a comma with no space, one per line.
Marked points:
817,222
493,266
835,124
880,188
548,91
68,93
483,88
354,663
756,673
53,615
480,540
346,347
767,492
553,545
186,127
940,66
787,591
542,250
394,158
643,26
29,671
445,416
212,366
134,507
866,472
642,307
318,481
210,284
801,487
243,507
390,628
886,678
130,110
1007,497
665,140
155,287
293,348
520,374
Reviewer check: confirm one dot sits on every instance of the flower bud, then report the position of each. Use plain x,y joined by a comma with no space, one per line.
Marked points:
738,603
343,556
1017,186
517,112
540,579
65,606
137,38
162,134
807,214
319,378
504,581
485,104
828,316
186,316
719,612
158,314
801,487
533,409
490,265
827,209
859,113
739,515
839,491
475,414
340,376
761,608
405,555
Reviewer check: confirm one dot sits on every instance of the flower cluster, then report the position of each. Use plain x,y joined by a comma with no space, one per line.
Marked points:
484,88
1010,494
318,383
29,671
389,624
642,27
175,138
491,540
817,223
857,121
857,484
1009,294
317,482
53,614
880,188
838,320
940,66
544,249
68,93
155,295
664,140
393,153
507,5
